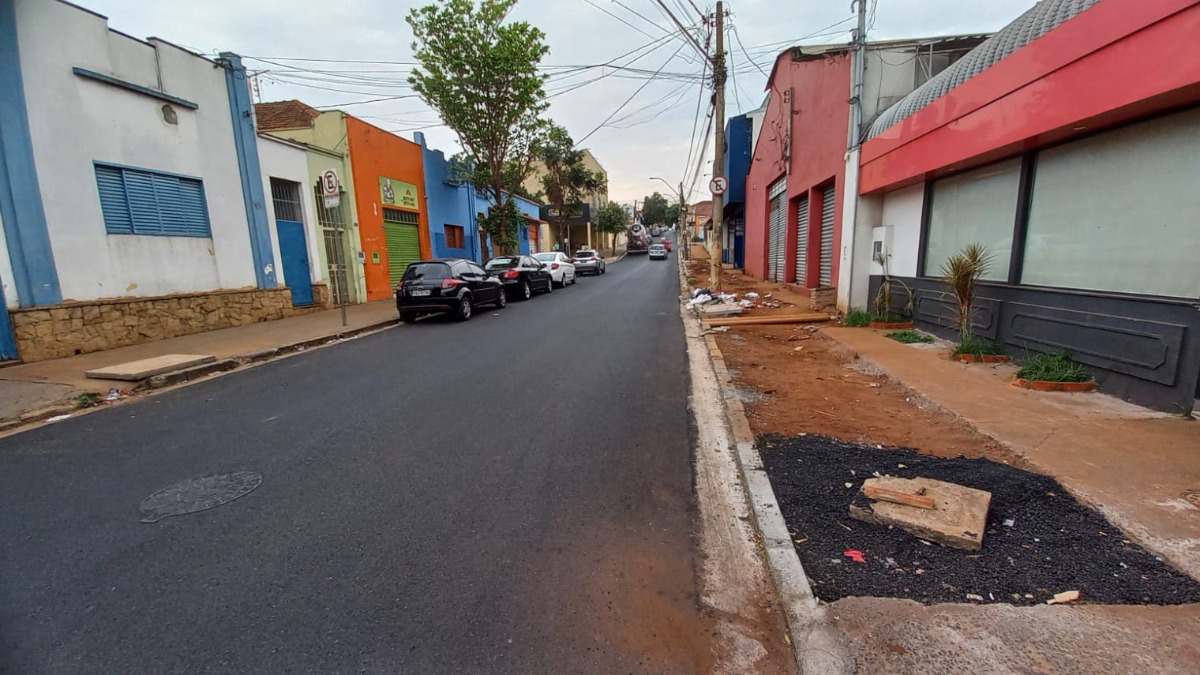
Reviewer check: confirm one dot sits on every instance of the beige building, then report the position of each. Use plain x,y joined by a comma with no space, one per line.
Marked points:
580,234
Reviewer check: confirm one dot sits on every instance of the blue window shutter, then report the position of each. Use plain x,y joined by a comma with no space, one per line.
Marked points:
136,201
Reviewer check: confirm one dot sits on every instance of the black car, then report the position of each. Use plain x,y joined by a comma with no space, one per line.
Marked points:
454,286
521,275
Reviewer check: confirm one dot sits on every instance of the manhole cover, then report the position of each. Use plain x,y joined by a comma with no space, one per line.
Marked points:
198,494
1192,497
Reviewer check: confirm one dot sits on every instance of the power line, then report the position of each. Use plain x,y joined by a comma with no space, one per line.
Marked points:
618,18
744,53
631,96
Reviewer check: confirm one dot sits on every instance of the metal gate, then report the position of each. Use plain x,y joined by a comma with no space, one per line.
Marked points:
777,231
333,238
828,200
293,244
802,241
403,241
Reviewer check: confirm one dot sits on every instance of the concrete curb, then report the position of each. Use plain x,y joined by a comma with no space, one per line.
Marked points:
815,644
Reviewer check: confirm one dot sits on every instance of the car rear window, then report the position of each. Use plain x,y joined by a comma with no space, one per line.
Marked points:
418,271
585,254
658,246
502,263
546,257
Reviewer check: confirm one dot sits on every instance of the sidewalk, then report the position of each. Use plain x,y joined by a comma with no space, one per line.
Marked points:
1131,463
28,387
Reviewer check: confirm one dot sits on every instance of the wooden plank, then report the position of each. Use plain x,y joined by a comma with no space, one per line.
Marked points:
885,495
768,320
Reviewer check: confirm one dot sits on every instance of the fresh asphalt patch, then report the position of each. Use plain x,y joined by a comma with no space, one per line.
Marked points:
1039,540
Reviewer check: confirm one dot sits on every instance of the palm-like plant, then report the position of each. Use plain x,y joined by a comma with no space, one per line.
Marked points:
962,272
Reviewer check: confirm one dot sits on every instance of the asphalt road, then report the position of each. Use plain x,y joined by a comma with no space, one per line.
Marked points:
513,494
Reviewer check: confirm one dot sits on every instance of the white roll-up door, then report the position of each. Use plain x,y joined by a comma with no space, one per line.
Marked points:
828,200
802,241
777,231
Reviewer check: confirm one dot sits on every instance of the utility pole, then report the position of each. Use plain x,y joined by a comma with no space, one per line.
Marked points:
858,73
718,69
686,247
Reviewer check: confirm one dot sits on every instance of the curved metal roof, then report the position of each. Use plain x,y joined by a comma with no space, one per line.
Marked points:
1039,20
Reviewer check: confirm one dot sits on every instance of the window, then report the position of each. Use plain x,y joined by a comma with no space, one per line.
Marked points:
427,271
454,236
398,216
476,269
548,257
285,197
137,201
502,263
1117,211
976,207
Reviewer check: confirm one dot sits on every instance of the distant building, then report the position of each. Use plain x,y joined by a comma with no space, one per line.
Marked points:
580,231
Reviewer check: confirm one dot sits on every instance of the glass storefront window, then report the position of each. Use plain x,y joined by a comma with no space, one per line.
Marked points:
976,207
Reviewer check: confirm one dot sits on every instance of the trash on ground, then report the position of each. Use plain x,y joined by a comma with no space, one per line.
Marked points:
752,295
59,418
976,598
958,521
746,304
113,394
720,310
918,499
1064,597
697,292
1009,522
855,555
727,297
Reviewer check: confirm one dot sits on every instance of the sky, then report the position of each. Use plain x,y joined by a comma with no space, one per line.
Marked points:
638,124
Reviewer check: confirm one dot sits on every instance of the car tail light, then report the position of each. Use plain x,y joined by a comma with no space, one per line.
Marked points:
511,274
554,266
450,283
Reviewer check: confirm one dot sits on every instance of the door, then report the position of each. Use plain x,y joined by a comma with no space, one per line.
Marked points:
777,230
333,238
402,240
828,201
8,343
293,246
802,230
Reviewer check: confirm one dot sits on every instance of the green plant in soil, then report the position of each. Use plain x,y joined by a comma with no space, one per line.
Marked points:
909,337
857,318
977,346
86,400
1058,367
962,272
883,299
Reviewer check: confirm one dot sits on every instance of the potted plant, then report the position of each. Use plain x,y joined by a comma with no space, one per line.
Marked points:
962,272
884,317
1054,372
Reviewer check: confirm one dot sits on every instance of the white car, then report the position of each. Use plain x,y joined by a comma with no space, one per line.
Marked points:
562,270
658,252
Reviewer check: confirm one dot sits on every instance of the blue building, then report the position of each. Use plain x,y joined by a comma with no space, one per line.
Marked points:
454,209
739,132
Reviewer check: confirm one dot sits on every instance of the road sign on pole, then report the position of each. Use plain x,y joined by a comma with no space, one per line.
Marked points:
719,185
330,190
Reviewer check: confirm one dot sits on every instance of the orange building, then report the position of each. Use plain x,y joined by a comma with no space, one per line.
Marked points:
389,194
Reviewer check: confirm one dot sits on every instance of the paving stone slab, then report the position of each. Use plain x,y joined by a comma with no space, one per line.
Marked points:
145,368
958,519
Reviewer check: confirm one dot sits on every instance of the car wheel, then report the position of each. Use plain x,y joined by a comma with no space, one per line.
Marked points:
502,299
550,285
408,317
574,278
603,269
463,311
526,290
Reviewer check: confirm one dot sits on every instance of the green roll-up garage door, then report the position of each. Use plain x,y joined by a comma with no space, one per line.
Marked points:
403,241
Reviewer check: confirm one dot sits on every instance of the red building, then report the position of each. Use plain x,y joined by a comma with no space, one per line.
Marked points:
1069,145
796,180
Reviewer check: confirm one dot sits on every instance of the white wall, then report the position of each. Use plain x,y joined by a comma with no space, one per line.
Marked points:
6,273
289,162
75,121
902,214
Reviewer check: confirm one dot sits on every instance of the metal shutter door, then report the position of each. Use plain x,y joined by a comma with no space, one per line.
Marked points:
403,247
777,232
828,199
802,241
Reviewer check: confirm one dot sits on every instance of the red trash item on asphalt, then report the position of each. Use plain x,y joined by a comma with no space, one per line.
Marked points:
855,555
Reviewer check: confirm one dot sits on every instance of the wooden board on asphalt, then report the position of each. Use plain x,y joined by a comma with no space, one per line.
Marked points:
145,368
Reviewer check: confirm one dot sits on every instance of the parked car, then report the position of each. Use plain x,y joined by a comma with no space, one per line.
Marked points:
589,262
658,252
521,275
666,243
440,286
562,270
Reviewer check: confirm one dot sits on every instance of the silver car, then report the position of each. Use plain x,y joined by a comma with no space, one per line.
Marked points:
658,252
588,262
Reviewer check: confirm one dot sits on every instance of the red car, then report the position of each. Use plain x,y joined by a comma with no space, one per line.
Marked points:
666,243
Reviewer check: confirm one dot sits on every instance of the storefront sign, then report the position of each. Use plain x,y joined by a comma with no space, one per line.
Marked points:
397,193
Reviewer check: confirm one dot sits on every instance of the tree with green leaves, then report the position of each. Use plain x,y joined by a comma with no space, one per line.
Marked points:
612,220
672,217
654,210
480,73
566,182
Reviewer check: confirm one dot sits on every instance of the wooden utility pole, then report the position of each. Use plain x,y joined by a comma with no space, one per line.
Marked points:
718,69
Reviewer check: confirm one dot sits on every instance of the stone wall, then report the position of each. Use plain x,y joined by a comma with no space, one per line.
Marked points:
72,328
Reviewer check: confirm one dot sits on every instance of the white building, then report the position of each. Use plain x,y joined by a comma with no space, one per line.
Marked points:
130,187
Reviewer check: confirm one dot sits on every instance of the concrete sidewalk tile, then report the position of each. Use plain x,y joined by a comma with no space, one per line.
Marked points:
142,369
